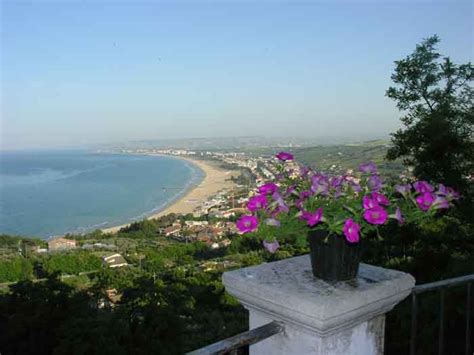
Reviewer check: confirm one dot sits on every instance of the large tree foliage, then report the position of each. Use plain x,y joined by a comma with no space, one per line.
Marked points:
437,101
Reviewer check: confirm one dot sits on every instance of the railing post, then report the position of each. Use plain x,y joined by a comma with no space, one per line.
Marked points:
442,286
441,322
414,311
318,317
468,319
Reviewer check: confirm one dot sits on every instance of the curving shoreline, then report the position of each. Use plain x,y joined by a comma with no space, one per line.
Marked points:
215,179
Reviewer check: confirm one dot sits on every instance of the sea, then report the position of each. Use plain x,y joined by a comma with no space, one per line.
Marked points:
49,193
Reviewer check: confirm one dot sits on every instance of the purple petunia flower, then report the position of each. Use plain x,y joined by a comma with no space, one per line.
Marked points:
453,194
257,203
299,203
368,202
312,218
271,247
279,209
442,190
355,186
351,230
336,181
369,168
247,224
422,187
375,183
320,184
425,200
320,189
304,171
380,199
291,189
268,188
376,215
280,202
305,194
403,189
284,156
398,216
320,179
440,202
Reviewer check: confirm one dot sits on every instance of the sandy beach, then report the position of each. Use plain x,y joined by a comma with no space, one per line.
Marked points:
215,180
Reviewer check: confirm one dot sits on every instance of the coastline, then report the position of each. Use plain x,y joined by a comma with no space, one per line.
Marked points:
215,179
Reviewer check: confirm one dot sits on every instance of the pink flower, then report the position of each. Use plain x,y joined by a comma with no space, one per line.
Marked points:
272,247
442,190
368,202
320,189
268,188
304,171
291,189
398,216
257,203
282,207
351,230
320,184
247,224
440,202
422,187
284,156
355,186
369,167
380,198
336,181
403,189
376,215
320,179
425,200
312,218
374,183
278,210
305,194
453,194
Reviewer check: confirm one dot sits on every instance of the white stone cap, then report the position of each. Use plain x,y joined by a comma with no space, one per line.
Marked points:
287,291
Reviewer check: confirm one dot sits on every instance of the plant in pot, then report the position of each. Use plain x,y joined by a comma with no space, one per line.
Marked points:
338,211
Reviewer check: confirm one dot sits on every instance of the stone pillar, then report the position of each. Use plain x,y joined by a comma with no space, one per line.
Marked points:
319,318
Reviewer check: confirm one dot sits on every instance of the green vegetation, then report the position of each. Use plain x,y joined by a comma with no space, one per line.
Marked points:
171,296
349,157
15,269
70,263
437,100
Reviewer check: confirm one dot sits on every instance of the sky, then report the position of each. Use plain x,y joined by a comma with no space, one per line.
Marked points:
79,73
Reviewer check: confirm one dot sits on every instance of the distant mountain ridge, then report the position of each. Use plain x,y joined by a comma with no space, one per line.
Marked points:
246,142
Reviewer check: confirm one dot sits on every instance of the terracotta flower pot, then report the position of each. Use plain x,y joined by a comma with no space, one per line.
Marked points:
333,258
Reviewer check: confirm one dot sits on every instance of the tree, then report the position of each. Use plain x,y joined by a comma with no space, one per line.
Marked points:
437,100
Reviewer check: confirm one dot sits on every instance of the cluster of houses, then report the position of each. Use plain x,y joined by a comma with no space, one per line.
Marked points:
213,235
60,244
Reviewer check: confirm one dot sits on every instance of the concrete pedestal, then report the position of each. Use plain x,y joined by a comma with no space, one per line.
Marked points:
319,318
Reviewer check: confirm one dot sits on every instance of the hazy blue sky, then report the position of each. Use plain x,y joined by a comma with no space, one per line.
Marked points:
87,72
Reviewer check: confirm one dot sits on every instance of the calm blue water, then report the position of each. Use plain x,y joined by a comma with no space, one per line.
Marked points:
51,193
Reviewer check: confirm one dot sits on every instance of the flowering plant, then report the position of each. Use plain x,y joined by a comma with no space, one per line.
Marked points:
348,205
